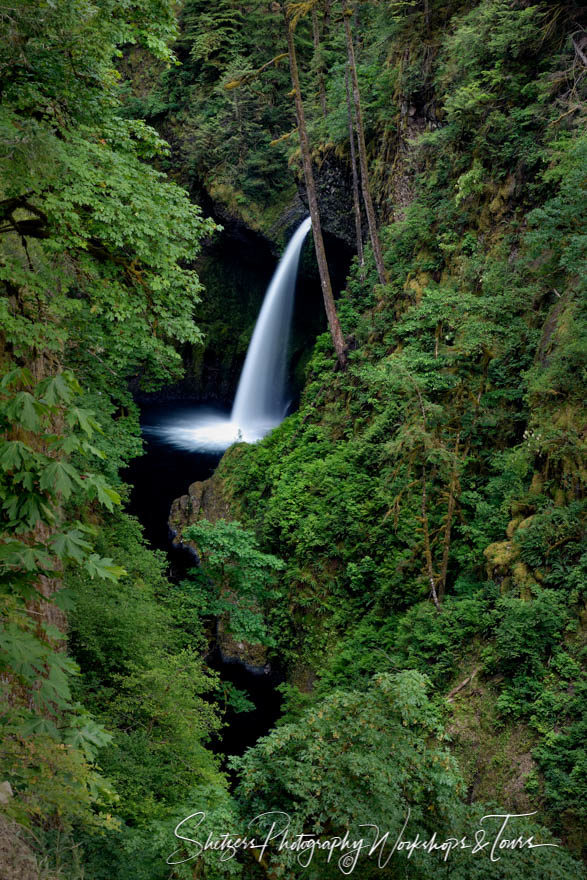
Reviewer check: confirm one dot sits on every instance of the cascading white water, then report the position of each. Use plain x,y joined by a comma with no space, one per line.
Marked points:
259,404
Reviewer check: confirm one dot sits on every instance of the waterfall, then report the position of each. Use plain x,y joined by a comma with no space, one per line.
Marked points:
260,403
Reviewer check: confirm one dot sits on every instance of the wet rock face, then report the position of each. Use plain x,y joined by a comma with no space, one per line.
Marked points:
205,499
333,179
252,657
335,199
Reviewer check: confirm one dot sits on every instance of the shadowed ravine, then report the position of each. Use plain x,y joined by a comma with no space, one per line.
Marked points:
184,442
157,478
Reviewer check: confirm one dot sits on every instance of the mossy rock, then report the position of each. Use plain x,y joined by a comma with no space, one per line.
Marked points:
513,526
524,580
500,555
417,284
206,499
232,649
537,484
495,759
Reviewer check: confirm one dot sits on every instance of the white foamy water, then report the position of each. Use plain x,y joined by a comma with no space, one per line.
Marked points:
209,433
259,405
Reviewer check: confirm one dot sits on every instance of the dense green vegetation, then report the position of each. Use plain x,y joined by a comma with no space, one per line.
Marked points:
97,289
409,541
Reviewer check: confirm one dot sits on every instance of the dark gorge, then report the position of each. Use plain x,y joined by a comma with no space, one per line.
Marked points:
292,440
164,471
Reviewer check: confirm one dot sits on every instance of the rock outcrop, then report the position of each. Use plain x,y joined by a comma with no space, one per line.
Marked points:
208,499
205,499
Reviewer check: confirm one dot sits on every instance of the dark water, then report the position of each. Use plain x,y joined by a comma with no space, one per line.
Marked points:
165,471
158,477
244,728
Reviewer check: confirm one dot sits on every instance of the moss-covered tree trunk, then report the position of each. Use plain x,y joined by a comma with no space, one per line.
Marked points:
320,71
333,322
356,202
370,210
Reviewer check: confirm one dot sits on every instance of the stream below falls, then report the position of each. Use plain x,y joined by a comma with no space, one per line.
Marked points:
162,474
184,443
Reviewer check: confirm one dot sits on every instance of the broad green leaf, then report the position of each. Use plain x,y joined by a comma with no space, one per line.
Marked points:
84,418
98,566
70,545
22,652
60,477
54,689
54,633
64,599
19,555
88,736
26,411
14,455
97,487
40,726
15,377
57,389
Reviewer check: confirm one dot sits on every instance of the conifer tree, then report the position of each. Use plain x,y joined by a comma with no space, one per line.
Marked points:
333,322
356,202
371,219
320,72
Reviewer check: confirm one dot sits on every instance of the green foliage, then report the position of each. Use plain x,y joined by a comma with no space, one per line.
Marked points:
226,132
435,642
330,768
556,239
557,715
446,462
47,735
370,762
235,579
528,631
139,644
96,289
494,104
450,453
93,236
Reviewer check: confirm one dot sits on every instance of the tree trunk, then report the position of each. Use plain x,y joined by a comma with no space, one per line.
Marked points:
356,203
333,323
427,16
428,546
321,86
326,19
454,488
373,233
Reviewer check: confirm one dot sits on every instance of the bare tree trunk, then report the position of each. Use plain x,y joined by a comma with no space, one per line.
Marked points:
448,523
356,203
454,488
428,545
373,233
426,16
333,323
321,86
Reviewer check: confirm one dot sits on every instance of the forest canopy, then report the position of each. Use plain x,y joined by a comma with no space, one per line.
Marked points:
407,546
